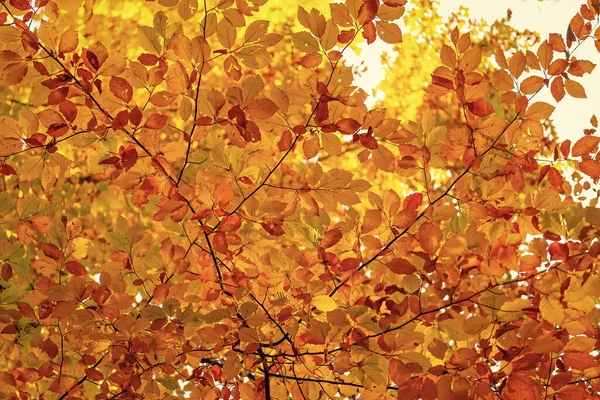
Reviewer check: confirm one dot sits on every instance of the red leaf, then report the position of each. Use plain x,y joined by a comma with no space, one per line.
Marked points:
148,59
76,268
7,271
57,96
121,89
156,121
273,226
348,126
369,32
22,5
110,160
230,223
57,130
554,177
135,116
401,266
93,374
558,251
160,293
285,141
30,42
481,108
368,141
50,250
129,156
219,242
26,310
367,11
331,237
50,348
204,121
412,201
68,110
6,169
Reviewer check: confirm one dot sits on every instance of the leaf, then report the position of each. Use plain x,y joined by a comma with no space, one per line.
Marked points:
156,121
76,268
481,108
389,32
581,67
148,39
331,237
470,60
590,168
367,11
517,64
348,126
121,89
226,34
69,41
401,266
273,226
552,311
430,237
539,110
575,89
585,145
324,303
261,108
306,42
50,348
532,84
557,88
503,81
256,30
413,201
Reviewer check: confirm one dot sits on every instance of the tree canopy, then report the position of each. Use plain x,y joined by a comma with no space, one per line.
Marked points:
197,203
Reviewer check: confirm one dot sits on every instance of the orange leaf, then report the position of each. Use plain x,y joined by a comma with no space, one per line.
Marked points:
470,60
517,64
261,108
557,88
590,168
503,81
430,236
585,145
539,110
532,84
575,89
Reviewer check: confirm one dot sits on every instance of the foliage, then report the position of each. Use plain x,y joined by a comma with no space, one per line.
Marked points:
197,203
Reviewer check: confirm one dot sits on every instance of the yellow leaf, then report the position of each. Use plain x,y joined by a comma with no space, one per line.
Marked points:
306,42
226,33
389,32
149,40
552,310
324,303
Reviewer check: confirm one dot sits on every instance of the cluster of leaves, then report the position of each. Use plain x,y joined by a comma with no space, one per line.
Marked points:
204,207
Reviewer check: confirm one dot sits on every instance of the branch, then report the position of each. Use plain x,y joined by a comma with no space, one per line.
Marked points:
295,378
